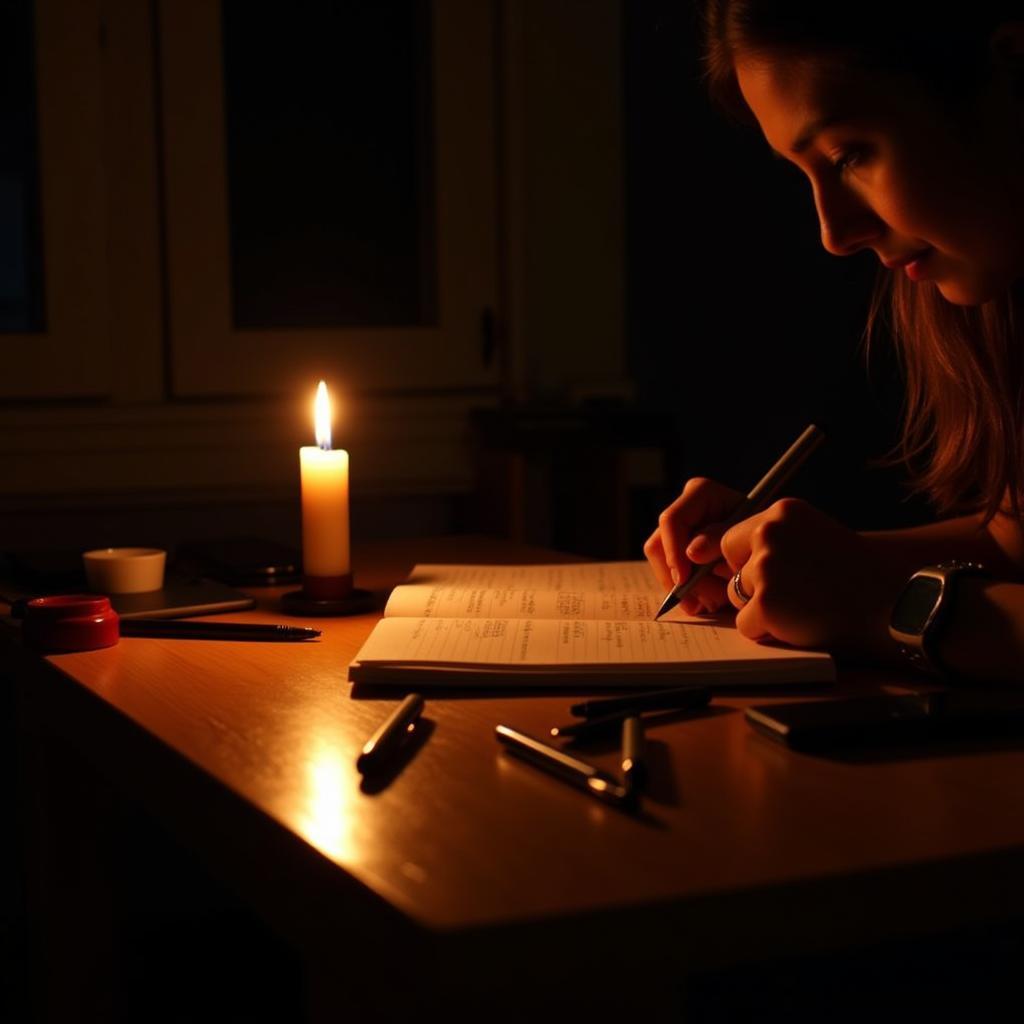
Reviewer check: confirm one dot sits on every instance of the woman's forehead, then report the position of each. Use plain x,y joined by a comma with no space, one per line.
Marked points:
794,97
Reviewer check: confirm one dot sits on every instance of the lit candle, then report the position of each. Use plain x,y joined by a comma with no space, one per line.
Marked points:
325,542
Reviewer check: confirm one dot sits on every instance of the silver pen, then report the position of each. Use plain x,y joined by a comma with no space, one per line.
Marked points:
770,484
565,766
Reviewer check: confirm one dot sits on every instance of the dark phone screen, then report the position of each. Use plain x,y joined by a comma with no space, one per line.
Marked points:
865,720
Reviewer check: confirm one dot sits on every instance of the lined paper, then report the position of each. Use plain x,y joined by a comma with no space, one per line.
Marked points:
555,643
590,590
590,621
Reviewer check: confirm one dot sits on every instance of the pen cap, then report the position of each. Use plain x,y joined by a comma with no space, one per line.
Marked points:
632,739
70,622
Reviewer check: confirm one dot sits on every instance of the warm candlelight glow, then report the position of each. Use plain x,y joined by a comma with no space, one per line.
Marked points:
322,417
327,569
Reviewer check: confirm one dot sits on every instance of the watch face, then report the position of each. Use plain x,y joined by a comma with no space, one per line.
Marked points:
915,604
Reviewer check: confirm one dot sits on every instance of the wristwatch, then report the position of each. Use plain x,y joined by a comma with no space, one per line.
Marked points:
922,609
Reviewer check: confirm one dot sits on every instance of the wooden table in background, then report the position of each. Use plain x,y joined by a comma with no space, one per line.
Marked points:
467,878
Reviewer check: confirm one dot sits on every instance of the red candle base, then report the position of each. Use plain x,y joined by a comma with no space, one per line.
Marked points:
327,588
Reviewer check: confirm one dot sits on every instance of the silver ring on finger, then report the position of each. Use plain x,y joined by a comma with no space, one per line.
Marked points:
737,588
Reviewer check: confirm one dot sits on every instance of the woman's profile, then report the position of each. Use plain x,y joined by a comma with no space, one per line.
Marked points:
907,120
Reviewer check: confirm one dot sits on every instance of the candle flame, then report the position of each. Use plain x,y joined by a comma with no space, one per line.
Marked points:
322,417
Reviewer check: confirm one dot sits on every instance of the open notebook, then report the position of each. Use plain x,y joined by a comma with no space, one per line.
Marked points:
584,623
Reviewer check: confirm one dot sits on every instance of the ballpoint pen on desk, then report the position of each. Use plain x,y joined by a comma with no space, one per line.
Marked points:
764,491
183,629
391,734
675,698
591,728
566,767
634,767
66,623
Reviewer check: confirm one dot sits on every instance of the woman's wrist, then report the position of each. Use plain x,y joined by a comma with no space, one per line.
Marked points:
883,582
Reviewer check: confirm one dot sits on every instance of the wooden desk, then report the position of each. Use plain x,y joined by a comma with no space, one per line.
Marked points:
469,878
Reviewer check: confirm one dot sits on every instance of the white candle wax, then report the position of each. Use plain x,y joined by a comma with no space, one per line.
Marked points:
324,471
325,539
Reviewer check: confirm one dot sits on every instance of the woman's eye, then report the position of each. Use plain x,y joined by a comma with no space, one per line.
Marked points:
846,158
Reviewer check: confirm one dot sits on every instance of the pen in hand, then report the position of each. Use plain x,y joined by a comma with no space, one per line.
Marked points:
764,491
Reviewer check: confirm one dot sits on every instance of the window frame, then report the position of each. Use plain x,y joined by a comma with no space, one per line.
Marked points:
204,347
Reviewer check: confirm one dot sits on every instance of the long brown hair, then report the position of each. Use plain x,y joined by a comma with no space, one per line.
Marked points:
963,417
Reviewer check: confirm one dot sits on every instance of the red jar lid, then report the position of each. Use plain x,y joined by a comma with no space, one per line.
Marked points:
70,622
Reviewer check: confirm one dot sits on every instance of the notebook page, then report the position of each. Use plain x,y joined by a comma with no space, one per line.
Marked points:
588,590
553,644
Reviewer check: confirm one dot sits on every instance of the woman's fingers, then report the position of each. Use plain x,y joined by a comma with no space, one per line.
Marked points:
706,544
709,595
655,554
746,598
686,528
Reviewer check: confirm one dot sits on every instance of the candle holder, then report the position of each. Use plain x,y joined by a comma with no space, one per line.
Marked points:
328,595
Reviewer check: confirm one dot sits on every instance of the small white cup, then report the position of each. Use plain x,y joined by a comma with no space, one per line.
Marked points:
124,570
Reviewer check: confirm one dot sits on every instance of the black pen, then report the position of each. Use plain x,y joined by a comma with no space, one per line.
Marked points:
634,767
677,698
391,734
591,728
765,489
566,767
183,629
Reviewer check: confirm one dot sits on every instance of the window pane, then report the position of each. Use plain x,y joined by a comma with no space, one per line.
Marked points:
21,250
330,163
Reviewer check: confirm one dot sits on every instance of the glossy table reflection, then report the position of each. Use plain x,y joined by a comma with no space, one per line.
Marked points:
464,873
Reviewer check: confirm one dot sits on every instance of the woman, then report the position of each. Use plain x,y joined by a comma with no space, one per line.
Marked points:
909,124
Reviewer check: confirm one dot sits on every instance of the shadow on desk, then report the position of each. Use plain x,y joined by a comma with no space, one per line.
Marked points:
377,691
925,750
967,975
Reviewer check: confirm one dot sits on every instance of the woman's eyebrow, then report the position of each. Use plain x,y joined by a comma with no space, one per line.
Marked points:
812,128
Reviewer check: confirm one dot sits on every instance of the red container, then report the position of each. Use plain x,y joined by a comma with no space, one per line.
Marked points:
70,622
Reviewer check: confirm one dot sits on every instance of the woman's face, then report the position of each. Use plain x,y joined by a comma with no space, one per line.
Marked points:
938,198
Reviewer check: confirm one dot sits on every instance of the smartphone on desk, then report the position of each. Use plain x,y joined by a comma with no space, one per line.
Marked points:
879,720
243,561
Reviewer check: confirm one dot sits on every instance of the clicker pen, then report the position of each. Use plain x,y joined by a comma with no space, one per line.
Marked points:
634,767
590,728
383,744
676,698
566,767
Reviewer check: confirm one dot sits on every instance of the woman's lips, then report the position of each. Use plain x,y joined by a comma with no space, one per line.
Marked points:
917,269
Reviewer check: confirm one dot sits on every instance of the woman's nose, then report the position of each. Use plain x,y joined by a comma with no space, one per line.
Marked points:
848,224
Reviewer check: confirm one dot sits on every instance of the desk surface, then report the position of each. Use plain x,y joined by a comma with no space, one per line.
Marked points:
742,842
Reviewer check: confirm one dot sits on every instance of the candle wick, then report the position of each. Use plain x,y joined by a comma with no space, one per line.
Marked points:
326,446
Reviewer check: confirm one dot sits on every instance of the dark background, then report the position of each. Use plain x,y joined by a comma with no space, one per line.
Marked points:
740,325
740,329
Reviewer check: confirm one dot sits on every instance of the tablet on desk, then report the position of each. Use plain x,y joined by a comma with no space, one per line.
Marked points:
182,598
38,573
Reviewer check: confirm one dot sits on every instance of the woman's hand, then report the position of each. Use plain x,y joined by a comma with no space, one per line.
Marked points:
688,534
811,581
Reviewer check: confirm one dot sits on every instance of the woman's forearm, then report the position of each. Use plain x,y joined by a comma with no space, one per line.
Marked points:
983,639
964,539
